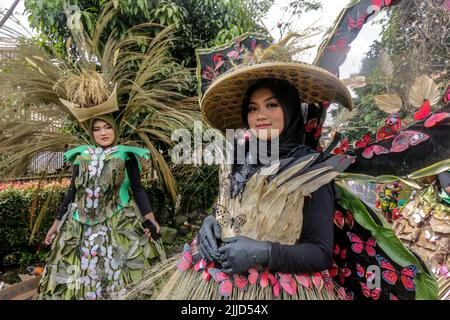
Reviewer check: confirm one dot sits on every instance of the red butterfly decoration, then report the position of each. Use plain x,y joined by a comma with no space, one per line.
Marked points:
358,245
318,132
406,139
446,97
337,251
311,125
343,147
424,111
392,125
391,275
374,150
352,24
339,219
200,265
374,293
363,273
240,281
210,73
275,285
186,259
288,283
436,118
364,141
264,279
340,44
253,276
342,272
225,284
379,3
304,279
370,151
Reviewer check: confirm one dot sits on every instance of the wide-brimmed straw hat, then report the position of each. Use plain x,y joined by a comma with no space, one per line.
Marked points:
223,95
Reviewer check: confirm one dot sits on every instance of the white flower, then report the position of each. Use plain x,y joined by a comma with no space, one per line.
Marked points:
93,263
418,216
94,250
85,252
88,232
110,251
91,295
84,263
431,237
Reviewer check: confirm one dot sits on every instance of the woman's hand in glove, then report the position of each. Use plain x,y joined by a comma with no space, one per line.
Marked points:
241,253
208,235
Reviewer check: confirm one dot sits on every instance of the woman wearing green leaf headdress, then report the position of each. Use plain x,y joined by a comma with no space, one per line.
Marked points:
100,235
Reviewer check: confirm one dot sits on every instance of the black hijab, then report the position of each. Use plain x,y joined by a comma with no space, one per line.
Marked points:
292,134
290,140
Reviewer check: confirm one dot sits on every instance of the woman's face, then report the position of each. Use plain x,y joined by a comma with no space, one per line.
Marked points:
103,133
265,114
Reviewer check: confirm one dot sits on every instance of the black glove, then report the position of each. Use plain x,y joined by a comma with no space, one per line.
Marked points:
208,235
241,253
147,224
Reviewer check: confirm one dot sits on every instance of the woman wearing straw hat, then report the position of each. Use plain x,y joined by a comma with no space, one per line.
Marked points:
100,235
280,229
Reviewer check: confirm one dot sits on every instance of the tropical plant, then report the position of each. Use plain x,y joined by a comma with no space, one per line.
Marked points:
199,23
149,86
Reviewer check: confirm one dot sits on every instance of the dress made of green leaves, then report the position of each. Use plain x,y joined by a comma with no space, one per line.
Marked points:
100,247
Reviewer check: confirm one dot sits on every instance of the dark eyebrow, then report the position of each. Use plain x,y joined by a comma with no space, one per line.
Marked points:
270,98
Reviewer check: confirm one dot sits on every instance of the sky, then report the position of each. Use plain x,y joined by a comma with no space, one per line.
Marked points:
324,18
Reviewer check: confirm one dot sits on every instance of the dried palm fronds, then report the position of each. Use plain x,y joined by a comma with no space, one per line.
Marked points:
424,88
388,102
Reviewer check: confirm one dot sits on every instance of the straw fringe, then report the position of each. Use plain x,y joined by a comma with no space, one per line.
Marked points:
165,282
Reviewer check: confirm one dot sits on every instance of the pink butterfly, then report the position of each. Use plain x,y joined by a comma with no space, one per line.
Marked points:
436,118
253,276
225,284
369,152
372,150
358,245
275,285
391,275
264,279
186,259
406,139
240,281
200,265
446,97
343,147
288,283
304,279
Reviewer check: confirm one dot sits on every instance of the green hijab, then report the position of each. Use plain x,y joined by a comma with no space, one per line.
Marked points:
108,119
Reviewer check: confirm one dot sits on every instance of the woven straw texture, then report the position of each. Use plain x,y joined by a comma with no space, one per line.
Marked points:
83,114
222,102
